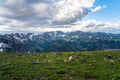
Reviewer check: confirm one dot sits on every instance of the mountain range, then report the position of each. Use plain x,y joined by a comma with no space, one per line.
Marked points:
58,41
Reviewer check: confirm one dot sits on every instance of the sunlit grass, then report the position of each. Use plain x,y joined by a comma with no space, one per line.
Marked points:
96,65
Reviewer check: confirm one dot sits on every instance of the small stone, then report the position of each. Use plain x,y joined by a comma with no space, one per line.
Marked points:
47,56
118,59
65,60
49,61
109,56
112,79
94,60
58,53
104,58
35,62
112,61
83,60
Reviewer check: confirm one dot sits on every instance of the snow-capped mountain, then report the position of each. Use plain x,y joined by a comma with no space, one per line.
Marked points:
58,41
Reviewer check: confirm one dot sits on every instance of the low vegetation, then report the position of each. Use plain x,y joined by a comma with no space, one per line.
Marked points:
96,65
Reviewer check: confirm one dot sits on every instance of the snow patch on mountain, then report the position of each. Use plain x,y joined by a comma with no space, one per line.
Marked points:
2,46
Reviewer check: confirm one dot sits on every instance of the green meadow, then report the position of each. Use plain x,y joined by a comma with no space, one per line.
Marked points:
96,65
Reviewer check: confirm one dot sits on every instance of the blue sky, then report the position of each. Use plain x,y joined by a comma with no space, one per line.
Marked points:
64,15
110,13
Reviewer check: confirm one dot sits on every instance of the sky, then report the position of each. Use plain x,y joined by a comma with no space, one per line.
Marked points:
59,15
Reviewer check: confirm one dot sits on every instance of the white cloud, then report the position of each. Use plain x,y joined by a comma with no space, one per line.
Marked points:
98,8
50,15
89,25
96,26
56,11
71,10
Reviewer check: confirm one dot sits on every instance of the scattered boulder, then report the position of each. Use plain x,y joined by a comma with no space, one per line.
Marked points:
83,60
45,61
20,55
112,79
49,61
33,54
118,59
58,53
65,60
109,56
36,62
105,58
112,61
94,60
46,55
70,58
89,64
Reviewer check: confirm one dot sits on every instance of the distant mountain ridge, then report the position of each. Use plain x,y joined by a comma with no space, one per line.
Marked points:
57,41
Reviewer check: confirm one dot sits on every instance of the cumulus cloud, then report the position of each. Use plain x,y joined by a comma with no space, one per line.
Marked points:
96,26
50,15
69,11
51,11
88,25
98,8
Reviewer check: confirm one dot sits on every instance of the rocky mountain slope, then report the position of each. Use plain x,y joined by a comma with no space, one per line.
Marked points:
58,42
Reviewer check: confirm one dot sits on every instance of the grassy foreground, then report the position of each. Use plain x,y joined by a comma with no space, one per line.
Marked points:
97,65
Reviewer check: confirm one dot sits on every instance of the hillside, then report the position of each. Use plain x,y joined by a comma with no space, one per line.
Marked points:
58,41
97,65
